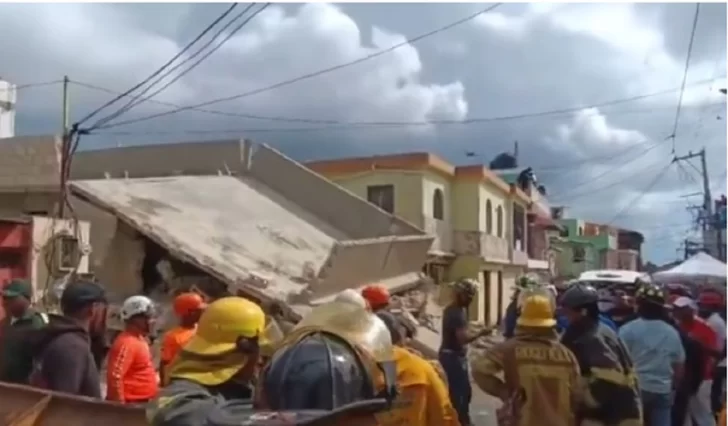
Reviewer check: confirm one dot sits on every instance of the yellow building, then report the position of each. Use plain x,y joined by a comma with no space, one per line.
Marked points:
479,220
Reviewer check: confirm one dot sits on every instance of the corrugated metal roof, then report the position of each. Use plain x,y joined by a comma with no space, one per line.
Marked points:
229,227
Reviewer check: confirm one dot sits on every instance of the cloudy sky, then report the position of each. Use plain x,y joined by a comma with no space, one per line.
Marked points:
610,73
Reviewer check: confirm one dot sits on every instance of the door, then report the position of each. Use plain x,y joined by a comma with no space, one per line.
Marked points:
486,296
499,277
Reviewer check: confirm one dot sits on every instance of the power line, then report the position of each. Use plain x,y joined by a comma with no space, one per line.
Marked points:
571,197
30,85
160,69
639,196
320,72
685,74
381,124
134,102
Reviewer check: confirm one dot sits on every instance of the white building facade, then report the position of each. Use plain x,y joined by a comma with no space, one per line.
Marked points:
8,98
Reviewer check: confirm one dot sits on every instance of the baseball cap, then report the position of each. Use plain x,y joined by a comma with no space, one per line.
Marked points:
684,302
17,288
79,293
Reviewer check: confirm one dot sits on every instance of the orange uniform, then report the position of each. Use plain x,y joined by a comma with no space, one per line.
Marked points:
173,341
130,373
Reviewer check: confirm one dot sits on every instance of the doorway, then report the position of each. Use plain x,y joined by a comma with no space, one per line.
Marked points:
499,277
486,297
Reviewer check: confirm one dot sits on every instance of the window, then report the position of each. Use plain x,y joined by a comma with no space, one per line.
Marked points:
579,254
499,221
580,231
438,205
488,217
381,196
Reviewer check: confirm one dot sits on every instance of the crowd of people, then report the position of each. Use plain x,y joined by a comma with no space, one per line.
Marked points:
351,361
662,364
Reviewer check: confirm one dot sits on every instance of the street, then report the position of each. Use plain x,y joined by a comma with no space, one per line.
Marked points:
482,408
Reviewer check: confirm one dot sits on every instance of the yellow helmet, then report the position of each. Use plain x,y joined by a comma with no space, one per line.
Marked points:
537,310
223,323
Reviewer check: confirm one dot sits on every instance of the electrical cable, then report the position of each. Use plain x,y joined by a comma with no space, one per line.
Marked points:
685,74
579,194
160,69
30,85
639,196
136,101
320,72
383,124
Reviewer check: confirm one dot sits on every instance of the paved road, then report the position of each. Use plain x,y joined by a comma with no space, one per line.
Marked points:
482,408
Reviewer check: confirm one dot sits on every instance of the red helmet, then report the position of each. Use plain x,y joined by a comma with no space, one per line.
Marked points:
186,303
710,298
376,295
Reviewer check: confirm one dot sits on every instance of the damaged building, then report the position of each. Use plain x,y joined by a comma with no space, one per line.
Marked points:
227,217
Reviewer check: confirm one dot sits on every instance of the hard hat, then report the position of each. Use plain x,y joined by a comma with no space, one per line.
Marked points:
339,354
137,305
710,298
223,323
537,310
579,295
352,296
376,295
186,303
650,293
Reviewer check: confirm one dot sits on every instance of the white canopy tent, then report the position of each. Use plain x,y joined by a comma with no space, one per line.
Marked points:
699,269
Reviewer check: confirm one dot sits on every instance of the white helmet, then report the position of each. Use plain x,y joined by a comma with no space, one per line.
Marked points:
136,305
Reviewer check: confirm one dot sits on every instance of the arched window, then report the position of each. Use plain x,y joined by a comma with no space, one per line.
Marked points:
580,231
438,205
499,221
488,218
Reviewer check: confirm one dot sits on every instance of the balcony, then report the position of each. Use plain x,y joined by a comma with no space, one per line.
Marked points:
520,258
441,231
475,243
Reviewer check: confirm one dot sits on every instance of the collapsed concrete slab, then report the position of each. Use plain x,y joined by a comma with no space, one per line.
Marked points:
275,231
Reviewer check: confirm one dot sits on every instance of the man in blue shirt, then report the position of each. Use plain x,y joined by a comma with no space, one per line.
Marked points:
657,353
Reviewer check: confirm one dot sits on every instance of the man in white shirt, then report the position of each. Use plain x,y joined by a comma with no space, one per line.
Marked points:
710,304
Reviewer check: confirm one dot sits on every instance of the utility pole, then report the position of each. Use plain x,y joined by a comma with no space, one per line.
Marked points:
65,145
65,116
706,216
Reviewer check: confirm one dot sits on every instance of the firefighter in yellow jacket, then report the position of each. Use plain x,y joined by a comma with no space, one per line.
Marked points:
423,397
541,375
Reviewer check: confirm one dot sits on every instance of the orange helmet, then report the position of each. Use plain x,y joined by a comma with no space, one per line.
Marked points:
376,295
186,303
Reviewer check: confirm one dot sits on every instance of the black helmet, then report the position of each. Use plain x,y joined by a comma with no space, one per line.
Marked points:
466,286
320,372
650,293
579,295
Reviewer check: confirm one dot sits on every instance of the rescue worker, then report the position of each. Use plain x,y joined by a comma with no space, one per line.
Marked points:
63,360
130,374
710,307
453,347
699,405
336,367
542,378
377,296
188,307
657,353
609,385
423,399
16,357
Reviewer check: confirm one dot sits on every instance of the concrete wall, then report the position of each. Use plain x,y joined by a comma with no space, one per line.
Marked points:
350,214
189,158
408,190
29,163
